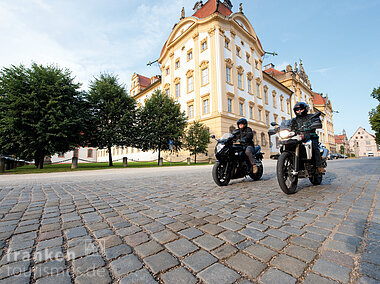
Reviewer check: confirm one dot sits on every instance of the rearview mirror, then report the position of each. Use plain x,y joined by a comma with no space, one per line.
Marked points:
212,136
273,123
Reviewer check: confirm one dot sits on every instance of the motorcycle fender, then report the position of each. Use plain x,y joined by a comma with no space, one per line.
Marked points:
309,149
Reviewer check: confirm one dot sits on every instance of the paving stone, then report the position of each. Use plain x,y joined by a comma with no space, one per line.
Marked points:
48,254
332,270
257,226
61,278
199,260
370,270
97,226
300,253
191,233
289,265
313,245
87,263
14,268
313,278
224,251
246,265
103,233
154,227
109,241
161,262
50,243
218,274
274,276
274,243
212,229
23,278
367,280
50,227
148,249
231,237
277,234
20,245
230,225
208,242
128,231
178,276
338,258
181,247
49,268
214,219
49,235
260,252
114,252
81,250
177,226
342,247
142,276
164,236
75,233
136,239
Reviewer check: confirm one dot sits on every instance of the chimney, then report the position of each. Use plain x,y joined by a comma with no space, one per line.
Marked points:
268,66
197,6
228,4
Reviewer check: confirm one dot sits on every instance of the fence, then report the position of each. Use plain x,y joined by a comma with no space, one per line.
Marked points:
7,163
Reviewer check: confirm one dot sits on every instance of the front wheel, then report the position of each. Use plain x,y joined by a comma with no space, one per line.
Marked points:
259,173
287,181
220,174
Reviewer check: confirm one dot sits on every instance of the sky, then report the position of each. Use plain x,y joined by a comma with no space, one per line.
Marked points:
338,42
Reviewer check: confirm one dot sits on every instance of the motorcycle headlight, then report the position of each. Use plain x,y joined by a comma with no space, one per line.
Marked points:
219,147
286,133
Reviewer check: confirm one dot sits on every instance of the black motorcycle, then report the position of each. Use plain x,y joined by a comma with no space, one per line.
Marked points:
232,162
296,156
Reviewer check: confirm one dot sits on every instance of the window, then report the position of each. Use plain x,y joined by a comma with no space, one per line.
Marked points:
229,105
249,85
368,142
228,75
241,109
204,76
167,92
189,55
177,64
204,45
251,112
266,96
89,153
288,106
177,90
263,141
227,43
240,81
260,114
274,99
206,106
190,84
248,58
190,111
267,118
258,90
238,51
167,71
61,155
282,103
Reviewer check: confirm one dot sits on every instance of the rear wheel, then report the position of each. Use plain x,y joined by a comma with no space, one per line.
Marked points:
220,174
287,181
316,179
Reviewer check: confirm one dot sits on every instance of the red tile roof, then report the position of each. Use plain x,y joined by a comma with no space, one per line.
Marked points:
318,99
143,81
273,72
210,7
339,139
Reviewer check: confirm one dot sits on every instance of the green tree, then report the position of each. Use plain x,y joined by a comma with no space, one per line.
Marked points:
161,120
196,139
113,113
40,112
374,115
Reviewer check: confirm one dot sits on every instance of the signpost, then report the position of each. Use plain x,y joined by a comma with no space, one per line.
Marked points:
171,148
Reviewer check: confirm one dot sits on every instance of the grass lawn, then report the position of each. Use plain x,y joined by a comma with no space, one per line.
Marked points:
31,169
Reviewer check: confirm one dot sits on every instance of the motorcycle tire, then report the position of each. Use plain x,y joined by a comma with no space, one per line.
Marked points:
288,183
259,173
316,179
218,175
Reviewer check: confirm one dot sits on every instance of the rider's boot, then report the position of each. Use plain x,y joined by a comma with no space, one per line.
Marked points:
321,170
255,169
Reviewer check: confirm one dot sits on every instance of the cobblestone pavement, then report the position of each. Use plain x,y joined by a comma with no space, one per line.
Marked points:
177,226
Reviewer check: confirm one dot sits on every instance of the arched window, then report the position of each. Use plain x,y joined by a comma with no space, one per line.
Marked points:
263,141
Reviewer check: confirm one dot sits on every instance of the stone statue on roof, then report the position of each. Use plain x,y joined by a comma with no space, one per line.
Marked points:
241,8
183,13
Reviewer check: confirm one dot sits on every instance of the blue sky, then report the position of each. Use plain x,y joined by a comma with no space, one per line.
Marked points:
338,41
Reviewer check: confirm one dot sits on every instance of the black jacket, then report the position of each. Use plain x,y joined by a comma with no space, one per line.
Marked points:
307,125
245,136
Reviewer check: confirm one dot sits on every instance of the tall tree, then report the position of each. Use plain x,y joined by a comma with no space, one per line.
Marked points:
40,112
374,115
196,139
113,114
161,121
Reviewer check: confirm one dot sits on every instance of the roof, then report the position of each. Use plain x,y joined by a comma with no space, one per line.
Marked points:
210,7
339,139
318,99
143,81
273,72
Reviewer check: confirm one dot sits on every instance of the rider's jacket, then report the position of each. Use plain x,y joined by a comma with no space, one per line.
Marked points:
307,125
245,136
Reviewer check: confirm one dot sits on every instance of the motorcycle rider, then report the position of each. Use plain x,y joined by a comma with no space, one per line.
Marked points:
307,125
245,135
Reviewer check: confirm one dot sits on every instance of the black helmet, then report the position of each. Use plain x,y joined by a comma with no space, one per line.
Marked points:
301,106
242,121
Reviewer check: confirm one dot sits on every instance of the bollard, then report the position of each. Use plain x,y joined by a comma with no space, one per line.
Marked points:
74,162
7,164
188,161
161,162
209,160
125,161
2,165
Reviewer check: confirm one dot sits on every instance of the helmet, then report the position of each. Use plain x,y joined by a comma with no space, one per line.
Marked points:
301,106
242,121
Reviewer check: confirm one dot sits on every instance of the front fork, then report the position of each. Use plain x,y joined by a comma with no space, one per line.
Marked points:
296,160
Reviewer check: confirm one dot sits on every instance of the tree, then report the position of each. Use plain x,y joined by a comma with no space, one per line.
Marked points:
113,114
374,115
196,139
161,120
40,112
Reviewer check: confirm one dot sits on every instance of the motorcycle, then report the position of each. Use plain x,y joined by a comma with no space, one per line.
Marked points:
296,156
232,162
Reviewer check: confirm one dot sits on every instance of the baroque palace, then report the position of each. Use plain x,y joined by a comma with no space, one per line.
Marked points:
212,64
